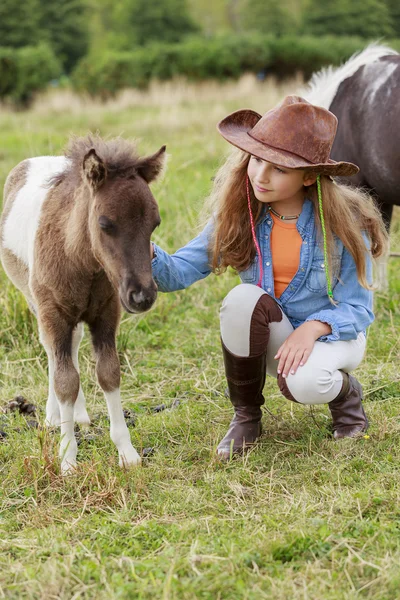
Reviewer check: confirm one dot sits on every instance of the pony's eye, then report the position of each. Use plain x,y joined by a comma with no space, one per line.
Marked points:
106,224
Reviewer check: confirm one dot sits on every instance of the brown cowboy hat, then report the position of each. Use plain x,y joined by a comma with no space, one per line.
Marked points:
295,134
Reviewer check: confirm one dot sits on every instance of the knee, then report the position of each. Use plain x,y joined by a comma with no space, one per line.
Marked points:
240,299
108,370
66,382
245,315
310,385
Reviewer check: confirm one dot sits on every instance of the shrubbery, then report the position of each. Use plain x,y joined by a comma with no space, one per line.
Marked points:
25,71
219,58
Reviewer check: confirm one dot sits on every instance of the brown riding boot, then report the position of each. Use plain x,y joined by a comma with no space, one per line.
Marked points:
246,378
349,418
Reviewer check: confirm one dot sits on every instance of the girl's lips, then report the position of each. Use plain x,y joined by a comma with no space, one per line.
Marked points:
260,189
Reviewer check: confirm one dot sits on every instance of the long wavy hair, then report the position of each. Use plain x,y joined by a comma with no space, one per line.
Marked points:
347,212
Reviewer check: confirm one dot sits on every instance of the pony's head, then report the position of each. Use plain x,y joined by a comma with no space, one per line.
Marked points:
122,217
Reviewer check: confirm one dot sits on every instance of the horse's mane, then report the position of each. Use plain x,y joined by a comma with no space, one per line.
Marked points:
119,156
323,85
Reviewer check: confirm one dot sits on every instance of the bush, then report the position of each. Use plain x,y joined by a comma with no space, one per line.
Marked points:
25,71
363,18
219,58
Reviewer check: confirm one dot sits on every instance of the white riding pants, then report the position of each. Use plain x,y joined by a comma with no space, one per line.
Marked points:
319,380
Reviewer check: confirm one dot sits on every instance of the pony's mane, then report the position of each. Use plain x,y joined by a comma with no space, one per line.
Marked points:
119,155
323,85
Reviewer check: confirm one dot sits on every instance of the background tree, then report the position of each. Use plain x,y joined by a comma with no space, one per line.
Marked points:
394,11
64,26
364,18
276,17
142,21
19,23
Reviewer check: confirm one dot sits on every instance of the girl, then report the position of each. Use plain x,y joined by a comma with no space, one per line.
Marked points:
305,300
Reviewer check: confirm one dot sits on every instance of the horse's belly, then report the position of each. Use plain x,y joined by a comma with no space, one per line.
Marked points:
21,223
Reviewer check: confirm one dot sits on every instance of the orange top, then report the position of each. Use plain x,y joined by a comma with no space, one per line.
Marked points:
285,248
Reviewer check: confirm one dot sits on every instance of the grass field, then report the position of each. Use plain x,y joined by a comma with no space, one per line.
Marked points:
299,517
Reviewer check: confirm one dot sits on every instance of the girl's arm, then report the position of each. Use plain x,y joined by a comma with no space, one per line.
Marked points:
354,310
188,265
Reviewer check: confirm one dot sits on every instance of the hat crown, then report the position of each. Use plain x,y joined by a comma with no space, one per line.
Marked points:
298,127
295,135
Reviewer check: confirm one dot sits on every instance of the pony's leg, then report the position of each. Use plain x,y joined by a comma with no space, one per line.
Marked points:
52,404
80,413
382,262
103,330
382,273
66,381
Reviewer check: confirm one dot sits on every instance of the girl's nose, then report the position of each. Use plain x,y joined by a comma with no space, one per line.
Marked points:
264,173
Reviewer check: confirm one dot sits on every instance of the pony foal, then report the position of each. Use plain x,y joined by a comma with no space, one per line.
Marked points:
75,239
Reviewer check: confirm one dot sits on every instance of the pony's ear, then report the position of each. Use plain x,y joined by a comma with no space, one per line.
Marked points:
94,169
151,166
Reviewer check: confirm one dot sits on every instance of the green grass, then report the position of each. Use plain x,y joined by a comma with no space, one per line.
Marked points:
300,516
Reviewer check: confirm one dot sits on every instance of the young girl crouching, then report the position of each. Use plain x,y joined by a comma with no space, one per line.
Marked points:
302,244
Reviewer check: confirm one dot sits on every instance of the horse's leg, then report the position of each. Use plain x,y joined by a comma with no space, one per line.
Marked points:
80,413
52,404
58,334
103,329
382,262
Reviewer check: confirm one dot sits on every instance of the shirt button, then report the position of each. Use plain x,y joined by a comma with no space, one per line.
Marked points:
302,269
305,242
267,264
268,289
269,222
322,265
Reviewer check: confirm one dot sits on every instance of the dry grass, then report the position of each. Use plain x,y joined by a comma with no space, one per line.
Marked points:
172,93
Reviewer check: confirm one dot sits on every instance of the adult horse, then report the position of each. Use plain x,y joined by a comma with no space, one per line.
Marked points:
75,239
364,94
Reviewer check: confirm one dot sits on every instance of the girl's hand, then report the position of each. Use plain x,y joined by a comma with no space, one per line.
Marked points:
296,349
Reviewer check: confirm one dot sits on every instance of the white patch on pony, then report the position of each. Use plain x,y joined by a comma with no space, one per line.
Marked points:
68,445
378,78
20,228
80,413
119,432
323,85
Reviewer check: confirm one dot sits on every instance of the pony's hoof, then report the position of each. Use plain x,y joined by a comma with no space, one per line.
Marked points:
129,458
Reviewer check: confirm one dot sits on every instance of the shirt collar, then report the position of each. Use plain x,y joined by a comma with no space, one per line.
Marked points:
305,220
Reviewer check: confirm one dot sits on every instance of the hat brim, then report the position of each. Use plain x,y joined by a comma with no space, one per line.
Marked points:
235,129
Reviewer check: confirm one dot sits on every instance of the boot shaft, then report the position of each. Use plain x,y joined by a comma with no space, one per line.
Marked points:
245,377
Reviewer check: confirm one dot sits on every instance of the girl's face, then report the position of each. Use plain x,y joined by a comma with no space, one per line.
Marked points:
276,184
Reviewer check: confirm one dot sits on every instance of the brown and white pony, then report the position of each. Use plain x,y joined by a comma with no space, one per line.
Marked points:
364,94
75,239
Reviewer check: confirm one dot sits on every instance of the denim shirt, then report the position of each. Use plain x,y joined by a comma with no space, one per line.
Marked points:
305,298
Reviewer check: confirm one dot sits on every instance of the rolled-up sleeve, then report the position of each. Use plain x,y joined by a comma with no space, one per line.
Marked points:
353,312
191,263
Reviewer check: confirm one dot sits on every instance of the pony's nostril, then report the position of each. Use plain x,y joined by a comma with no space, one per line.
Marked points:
137,297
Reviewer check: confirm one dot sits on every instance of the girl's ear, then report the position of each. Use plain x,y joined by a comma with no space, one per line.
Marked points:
309,179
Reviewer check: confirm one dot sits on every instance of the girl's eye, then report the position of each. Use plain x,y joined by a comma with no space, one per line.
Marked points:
258,160
279,170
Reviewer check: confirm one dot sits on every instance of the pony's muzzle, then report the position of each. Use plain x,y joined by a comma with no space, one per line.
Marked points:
139,299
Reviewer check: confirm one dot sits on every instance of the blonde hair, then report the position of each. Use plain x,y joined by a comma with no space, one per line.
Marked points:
348,212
